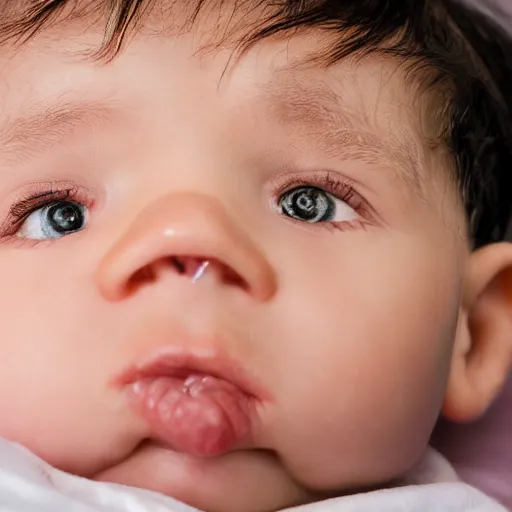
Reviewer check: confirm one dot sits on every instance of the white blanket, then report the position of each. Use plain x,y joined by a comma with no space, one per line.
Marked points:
28,484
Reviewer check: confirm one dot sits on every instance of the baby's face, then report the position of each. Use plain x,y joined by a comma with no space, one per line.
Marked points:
335,261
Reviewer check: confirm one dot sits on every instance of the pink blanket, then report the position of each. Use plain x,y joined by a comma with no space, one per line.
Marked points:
482,452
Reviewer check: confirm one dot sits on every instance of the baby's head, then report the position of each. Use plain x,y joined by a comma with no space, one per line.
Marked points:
297,201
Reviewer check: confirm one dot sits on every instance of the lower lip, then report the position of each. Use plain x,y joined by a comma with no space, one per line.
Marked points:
199,415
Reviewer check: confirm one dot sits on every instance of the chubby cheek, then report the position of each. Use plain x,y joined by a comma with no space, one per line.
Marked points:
52,384
370,361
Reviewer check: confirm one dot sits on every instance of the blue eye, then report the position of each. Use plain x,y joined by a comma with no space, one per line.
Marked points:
313,205
309,204
54,220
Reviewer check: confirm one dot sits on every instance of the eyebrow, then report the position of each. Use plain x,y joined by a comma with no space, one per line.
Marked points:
341,132
336,129
45,126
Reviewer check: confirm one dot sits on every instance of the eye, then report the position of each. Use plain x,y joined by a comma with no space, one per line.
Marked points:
314,205
54,220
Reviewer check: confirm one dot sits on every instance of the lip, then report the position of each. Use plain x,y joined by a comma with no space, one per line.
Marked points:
172,362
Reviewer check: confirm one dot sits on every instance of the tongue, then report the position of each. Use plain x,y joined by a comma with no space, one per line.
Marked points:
200,415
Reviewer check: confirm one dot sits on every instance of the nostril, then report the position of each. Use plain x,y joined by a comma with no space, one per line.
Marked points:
178,264
191,267
185,265
194,267
234,279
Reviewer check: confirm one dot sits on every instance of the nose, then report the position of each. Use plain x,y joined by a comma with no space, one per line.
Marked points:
179,234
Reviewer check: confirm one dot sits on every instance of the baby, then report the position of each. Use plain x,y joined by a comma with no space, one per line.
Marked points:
249,250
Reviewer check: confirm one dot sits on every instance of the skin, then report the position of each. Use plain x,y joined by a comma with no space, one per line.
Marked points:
366,328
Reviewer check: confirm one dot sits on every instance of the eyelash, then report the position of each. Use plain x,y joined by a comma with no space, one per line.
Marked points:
339,189
42,196
45,195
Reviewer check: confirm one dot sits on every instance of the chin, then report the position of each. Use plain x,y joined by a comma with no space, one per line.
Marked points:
236,482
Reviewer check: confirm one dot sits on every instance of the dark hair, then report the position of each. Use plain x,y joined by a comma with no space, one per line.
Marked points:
465,54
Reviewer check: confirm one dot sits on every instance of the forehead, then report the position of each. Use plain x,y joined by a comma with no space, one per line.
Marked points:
363,107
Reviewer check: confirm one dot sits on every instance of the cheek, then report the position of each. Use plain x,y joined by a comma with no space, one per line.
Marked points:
370,360
52,392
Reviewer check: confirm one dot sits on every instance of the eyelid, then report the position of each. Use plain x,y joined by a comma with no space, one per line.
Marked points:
329,181
38,195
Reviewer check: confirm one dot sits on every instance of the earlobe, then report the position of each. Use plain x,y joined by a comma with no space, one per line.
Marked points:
482,354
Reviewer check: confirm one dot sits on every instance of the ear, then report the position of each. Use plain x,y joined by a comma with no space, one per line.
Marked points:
482,354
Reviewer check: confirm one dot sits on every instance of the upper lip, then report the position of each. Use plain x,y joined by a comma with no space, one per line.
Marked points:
181,364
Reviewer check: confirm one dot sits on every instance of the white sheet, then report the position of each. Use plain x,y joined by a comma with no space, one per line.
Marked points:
28,484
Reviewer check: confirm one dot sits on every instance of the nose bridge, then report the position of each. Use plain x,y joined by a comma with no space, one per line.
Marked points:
184,225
